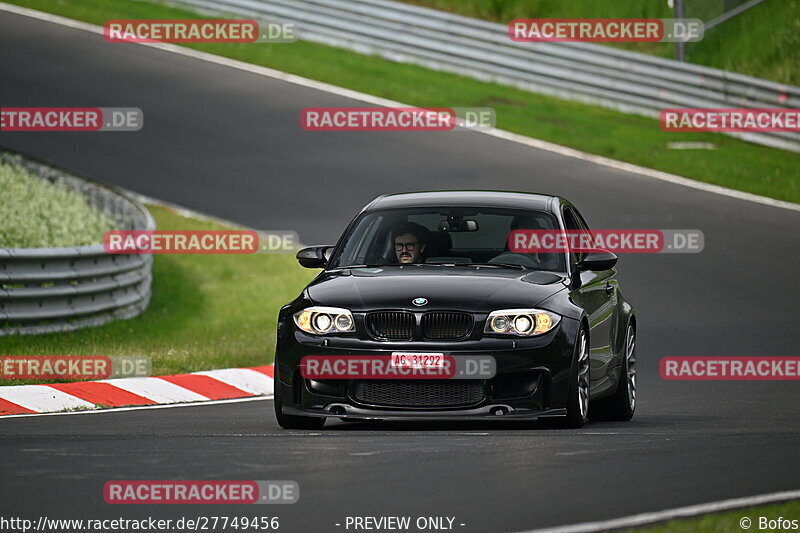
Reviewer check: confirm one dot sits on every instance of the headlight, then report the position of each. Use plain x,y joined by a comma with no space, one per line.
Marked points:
322,320
521,322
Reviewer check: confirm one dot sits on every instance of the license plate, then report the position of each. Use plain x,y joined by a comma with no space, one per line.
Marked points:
417,360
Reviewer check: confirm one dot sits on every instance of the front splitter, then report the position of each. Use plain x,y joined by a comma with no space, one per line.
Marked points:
486,412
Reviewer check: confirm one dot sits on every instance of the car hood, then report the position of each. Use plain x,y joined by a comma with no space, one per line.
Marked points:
445,287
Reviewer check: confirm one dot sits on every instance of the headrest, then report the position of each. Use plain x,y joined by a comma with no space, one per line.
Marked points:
439,242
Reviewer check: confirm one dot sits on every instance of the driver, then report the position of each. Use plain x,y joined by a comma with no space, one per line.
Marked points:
409,241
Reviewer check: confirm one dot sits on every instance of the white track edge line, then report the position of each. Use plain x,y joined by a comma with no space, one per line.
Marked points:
142,407
355,95
669,514
191,213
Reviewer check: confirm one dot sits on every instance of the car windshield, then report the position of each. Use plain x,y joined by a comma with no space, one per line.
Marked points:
445,236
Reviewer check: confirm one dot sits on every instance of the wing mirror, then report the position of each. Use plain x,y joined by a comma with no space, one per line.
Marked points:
314,256
599,261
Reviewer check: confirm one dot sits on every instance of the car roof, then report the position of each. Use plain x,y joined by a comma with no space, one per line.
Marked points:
471,198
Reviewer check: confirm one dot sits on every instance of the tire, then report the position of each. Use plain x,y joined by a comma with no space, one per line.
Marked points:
291,421
621,405
578,391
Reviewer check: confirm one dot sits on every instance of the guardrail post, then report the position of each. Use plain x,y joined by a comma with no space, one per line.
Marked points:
680,46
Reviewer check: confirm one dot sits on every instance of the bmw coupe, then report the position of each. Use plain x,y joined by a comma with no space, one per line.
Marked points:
429,273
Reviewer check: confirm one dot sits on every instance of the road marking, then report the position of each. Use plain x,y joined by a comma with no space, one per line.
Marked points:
211,388
242,378
38,398
581,452
670,514
157,390
104,394
355,95
7,408
201,387
143,407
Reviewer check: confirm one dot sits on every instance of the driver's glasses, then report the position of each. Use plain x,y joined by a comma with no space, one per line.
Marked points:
410,246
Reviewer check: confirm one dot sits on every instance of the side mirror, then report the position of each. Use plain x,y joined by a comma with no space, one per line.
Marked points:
314,256
598,261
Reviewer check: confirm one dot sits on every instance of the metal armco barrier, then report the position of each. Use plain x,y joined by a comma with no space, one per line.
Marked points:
46,290
600,75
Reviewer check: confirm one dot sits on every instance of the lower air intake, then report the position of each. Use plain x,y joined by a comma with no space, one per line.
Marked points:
418,393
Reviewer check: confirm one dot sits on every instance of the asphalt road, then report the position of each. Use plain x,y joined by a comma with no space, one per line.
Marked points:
228,143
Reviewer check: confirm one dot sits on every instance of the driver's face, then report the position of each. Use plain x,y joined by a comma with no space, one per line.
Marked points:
408,248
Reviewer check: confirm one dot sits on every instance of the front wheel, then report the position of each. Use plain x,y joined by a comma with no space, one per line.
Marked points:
291,421
578,392
621,405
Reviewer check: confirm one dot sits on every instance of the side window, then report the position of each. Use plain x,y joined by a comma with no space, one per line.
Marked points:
572,224
361,240
581,221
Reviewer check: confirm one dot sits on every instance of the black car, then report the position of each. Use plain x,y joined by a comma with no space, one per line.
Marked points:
432,273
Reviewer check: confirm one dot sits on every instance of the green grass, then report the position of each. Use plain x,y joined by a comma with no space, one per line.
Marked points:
763,41
728,522
504,10
37,213
639,140
206,311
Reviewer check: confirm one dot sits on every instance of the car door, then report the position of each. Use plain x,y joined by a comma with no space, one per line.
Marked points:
597,294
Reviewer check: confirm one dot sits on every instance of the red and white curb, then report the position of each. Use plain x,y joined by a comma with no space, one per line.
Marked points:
205,386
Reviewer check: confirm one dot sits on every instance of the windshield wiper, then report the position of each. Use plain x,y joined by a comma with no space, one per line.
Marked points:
383,265
443,263
497,265
376,265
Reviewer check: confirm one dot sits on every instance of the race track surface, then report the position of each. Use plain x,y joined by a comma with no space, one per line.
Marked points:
229,143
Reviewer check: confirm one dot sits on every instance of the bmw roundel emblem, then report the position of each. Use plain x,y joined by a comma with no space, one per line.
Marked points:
419,301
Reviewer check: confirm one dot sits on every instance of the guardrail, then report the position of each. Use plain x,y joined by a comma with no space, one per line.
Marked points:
618,79
46,290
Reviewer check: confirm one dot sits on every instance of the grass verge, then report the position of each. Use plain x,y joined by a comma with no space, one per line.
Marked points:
764,41
730,522
630,138
207,311
37,213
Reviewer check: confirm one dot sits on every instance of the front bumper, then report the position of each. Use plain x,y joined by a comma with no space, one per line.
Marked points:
531,378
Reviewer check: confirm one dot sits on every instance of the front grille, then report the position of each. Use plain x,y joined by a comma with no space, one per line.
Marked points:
446,326
395,325
418,392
